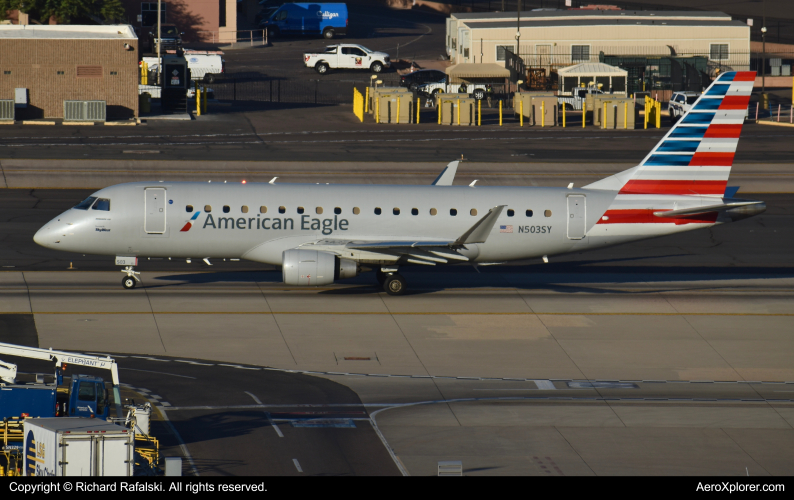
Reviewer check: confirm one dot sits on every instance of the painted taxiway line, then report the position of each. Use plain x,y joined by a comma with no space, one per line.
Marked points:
387,313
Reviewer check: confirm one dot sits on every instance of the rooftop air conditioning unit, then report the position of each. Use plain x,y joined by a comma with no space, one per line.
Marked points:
89,111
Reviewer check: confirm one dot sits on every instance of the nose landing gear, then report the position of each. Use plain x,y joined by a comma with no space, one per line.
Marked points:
129,281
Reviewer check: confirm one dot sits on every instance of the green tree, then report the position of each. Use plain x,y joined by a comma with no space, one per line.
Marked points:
67,11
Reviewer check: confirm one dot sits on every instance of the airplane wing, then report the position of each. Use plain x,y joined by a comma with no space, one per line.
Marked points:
428,252
447,175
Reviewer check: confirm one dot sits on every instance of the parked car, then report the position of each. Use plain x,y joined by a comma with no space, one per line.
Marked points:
476,90
346,56
416,78
680,103
171,38
326,19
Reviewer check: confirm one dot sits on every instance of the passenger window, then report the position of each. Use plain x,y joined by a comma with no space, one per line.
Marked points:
263,209
529,213
473,211
244,209
208,208
453,211
102,204
319,210
547,213
188,208
396,211
86,392
433,211
337,210
226,209
511,212
282,210
356,210
83,205
377,210
300,210
414,211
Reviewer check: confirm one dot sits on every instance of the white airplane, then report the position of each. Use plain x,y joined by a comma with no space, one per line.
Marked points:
319,233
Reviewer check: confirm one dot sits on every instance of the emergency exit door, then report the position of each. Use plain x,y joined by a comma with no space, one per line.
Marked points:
576,217
155,211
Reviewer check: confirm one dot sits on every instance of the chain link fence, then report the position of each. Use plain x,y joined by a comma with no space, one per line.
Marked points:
318,91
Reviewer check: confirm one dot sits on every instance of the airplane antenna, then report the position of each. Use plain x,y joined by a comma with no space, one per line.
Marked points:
273,180
206,261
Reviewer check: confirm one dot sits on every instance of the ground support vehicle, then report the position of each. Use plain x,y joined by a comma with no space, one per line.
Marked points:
416,78
170,38
76,447
475,90
326,19
346,56
680,103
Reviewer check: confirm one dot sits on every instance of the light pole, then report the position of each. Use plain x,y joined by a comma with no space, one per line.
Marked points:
763,58
159,43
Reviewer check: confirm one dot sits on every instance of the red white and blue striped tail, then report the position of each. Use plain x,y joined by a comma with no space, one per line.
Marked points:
696,155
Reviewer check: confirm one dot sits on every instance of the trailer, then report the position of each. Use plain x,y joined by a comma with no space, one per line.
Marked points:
77,447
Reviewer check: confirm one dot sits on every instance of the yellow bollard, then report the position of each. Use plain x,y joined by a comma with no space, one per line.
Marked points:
377,110
418,107
521,112
563,115
584,112
438,105
604,117
205,100
366,101
542,114
500,112
626,115
646,113
198,100
398,110
658,114
458,110
479,113
144,73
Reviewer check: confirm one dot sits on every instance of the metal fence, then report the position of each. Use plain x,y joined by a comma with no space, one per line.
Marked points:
320,91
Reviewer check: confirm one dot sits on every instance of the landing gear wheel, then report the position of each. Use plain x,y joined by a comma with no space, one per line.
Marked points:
128,282
394,284
381,277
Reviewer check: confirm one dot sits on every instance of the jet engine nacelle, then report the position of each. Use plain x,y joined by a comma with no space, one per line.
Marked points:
311,267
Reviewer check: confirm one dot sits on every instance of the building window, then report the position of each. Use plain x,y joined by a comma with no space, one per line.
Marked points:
89,72
6,72
501,52
580,53
189,208
263,209
222,13
244,209
112,73
59,72
149,13
718,52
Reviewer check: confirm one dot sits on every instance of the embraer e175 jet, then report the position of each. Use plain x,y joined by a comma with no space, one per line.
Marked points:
320,233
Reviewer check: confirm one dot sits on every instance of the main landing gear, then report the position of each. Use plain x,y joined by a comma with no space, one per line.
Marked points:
392,282
129,281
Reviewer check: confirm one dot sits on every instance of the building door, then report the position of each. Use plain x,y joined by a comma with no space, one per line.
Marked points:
576,217
155,210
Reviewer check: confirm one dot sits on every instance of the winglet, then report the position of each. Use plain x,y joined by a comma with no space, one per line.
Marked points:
447,175
479,232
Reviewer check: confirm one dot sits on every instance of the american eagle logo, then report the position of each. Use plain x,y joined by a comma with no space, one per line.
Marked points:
189,223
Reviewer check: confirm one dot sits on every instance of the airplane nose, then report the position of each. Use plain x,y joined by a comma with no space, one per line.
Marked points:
44,237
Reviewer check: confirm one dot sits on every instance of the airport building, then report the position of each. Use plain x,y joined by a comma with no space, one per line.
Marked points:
657,48
43,66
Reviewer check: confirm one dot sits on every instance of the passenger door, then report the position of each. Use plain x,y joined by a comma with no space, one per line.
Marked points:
576,217
154,221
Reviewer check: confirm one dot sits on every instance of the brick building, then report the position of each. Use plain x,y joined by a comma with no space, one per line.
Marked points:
69,62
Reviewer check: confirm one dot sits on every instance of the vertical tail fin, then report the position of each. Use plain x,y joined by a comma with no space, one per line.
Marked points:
696,155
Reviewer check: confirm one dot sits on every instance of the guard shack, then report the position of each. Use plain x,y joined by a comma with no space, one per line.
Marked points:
608,79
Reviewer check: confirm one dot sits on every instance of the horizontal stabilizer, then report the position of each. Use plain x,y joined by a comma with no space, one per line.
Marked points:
447,175
707,209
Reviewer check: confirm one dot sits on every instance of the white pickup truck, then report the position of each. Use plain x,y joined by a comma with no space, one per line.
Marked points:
346,56
476,90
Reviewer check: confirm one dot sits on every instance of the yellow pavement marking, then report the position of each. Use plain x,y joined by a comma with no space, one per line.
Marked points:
386,313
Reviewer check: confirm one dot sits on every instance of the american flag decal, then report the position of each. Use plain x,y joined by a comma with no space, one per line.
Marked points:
505,229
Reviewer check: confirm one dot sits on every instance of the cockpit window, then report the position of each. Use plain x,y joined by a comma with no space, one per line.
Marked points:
85,204
102,204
